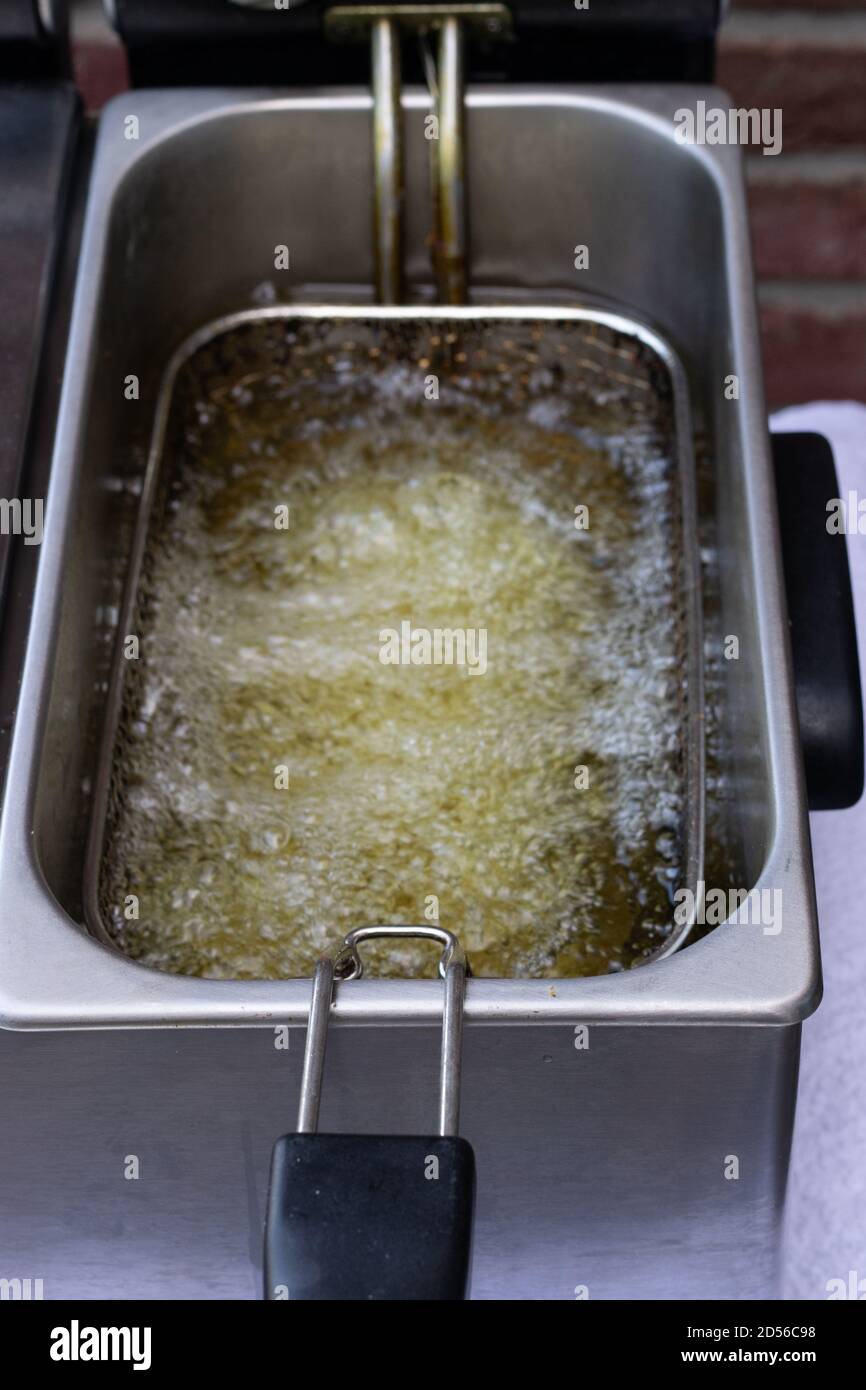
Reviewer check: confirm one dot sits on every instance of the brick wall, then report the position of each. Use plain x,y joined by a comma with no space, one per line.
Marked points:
808,204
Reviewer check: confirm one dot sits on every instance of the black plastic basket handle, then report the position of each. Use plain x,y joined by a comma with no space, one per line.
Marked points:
368,1216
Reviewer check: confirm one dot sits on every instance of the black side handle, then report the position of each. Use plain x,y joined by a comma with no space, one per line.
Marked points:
821,617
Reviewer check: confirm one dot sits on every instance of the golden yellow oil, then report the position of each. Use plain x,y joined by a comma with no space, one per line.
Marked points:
278,783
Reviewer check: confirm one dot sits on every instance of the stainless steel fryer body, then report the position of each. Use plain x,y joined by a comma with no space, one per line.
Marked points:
601,1167
601,1173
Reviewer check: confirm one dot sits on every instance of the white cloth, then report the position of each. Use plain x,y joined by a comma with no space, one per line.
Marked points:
825,1225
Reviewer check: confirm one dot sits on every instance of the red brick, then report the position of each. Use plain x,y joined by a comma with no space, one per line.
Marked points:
804,229
815,72
797,5
100,71
810,355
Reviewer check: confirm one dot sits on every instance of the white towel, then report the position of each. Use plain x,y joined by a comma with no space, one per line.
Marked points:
825,1225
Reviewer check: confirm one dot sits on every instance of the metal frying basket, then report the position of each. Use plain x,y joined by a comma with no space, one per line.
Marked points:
592,356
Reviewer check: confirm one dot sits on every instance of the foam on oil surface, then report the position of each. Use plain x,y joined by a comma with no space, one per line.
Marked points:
260,651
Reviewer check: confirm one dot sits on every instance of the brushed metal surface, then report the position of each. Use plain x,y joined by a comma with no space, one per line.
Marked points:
601,1168
171,243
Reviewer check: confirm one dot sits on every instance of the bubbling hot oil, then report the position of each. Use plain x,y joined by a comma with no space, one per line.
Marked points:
536,806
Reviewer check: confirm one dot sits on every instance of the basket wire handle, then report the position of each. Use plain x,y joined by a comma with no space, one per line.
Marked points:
344,963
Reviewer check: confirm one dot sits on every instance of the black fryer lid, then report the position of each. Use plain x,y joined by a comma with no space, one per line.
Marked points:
202,42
